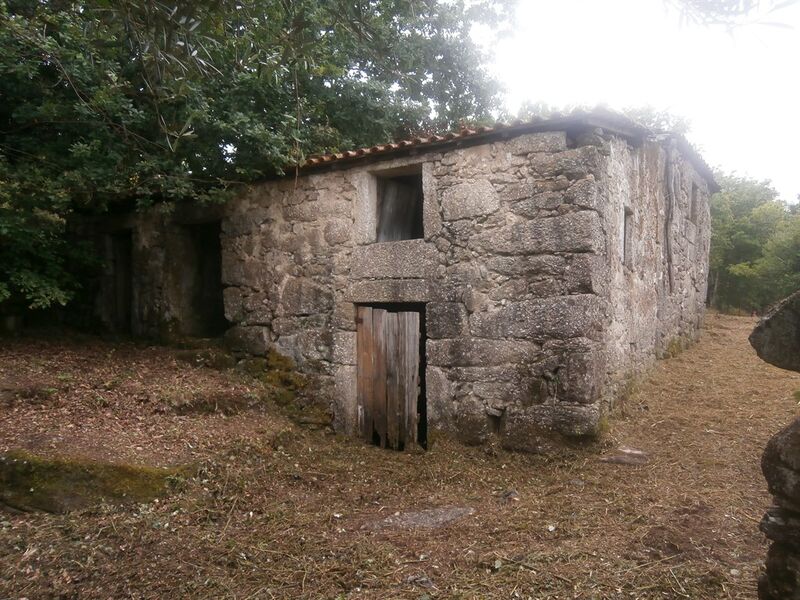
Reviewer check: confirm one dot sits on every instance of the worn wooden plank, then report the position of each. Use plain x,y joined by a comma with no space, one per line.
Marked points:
364,370
411,349
402,380
394,400
378,406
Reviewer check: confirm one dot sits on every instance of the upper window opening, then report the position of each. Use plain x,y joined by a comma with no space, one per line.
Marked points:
399,206
627,238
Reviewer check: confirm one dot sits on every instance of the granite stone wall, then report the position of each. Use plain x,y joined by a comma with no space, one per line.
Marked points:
163,256
535,312
553,267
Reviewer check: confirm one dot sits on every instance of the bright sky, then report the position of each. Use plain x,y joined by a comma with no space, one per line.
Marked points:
739,88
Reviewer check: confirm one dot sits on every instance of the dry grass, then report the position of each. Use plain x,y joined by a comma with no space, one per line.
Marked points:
277,512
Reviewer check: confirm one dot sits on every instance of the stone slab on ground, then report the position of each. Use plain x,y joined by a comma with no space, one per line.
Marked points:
431,518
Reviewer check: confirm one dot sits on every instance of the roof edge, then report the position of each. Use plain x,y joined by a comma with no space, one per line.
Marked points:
574,122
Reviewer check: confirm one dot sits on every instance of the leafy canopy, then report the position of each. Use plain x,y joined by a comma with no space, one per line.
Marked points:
755,245
114,104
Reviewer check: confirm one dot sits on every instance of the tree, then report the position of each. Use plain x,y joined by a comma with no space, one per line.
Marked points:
112,105
755,245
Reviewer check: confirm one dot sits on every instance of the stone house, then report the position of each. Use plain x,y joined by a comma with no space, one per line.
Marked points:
501,281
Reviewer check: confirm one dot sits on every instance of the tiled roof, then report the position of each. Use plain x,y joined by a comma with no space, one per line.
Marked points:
576,121
606,119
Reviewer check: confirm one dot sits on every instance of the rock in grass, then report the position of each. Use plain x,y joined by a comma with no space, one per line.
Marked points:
626,456
29,482
431,518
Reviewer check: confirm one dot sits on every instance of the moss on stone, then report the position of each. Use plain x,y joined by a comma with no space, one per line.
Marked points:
30,482
285,386
278,372
676,346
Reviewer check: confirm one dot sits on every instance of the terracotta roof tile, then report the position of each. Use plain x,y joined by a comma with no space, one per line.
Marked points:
609,120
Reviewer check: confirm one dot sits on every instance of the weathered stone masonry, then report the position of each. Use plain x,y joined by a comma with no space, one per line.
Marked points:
558,260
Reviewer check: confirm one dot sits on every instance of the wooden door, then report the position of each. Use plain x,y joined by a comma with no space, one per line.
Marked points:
388,376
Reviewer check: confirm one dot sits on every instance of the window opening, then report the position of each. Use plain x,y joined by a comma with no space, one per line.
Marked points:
399,206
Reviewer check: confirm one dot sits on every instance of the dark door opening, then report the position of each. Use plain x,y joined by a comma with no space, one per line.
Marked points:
202,281
392,412
121,254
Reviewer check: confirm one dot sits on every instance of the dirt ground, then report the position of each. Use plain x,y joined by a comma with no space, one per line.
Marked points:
277,511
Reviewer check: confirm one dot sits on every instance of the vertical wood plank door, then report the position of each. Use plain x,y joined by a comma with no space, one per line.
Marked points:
364,371
388,376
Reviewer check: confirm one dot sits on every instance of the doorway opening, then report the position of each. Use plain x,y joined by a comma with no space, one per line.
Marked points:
120,252
201,281
392,411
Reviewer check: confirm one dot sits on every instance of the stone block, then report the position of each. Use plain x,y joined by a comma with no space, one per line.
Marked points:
469,424
316,210
583,274
250,340
293,325
232,300
571,232
465,352
338,231
232,268
344,316
390,290
499,395
438,397
257,309
408,259
469,199
345,409
241,223
541,265
445,319
576,163
313,345
545,141
431,215
517,191
303,297
365,213
344,347
584,193
581,372
557,317
537,204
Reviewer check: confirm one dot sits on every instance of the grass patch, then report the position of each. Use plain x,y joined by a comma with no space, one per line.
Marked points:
57,485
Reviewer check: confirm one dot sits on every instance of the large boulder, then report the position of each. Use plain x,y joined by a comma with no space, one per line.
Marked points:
780,464
776,338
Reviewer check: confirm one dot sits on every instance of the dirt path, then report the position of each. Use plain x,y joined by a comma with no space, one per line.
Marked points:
302,515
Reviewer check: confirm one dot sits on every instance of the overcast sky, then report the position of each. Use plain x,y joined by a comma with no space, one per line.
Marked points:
738,88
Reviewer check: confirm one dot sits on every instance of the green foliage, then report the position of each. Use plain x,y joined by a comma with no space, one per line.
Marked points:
755,246
111,105
732,13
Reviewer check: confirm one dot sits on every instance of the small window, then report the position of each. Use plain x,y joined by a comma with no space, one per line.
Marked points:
693,201
399,206
627,238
